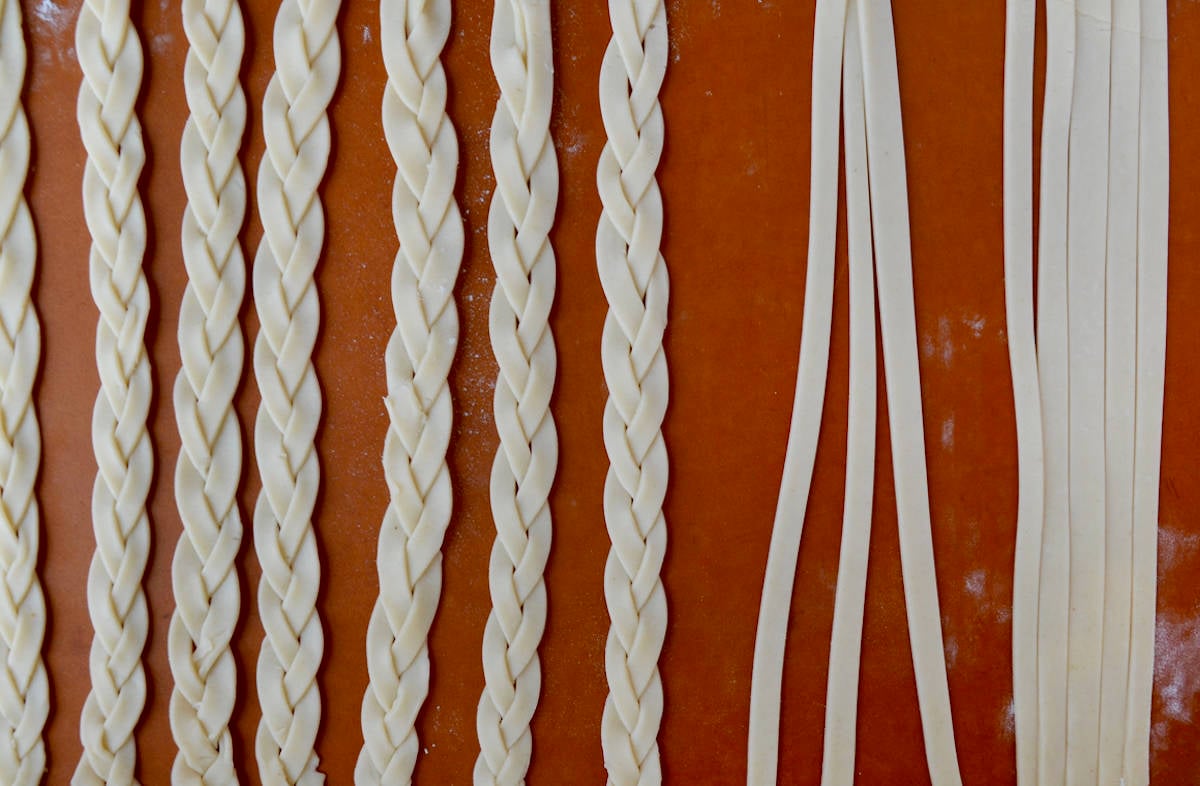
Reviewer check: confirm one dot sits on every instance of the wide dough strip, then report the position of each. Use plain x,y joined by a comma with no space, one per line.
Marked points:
845,649
771,638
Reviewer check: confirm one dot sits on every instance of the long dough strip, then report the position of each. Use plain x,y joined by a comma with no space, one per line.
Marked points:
841,704
1153,193
771,638
522,212
1022,354
110,57
1052,349
1120,361
209,468
296,129
24,688
1087,213
417,361
897,318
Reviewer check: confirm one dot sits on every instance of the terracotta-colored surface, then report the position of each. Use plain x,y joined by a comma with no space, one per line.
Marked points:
734,178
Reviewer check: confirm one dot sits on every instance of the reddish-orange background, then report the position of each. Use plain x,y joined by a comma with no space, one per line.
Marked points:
734,177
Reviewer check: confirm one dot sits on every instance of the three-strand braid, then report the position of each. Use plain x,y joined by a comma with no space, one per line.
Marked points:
296,129
110,57
634,276
24,689
203,574
519,221
418,358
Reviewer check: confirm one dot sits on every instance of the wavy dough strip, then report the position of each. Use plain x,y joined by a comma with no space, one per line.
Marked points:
110,57
24,688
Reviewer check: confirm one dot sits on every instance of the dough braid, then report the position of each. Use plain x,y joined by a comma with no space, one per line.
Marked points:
522,212
207,595
634,277
24,699
420,410
307,61
111,59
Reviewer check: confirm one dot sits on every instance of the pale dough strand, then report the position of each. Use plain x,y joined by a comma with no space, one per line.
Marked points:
417,361
845,648
24,688
1153,193
110,57
762,758
1120,372
1087,213
203,572
1022,354
633,274
296,130
1053,350
897,318
519,221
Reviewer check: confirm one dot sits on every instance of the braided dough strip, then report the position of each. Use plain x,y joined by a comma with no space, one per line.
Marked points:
203,574
296,129
893,268
1053,351
1120,374
420,411
1153,193
24,688
110,57
1087,215
771,637
841,705
519,221
633,274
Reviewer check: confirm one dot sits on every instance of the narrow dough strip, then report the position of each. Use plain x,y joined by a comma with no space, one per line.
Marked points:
1052,349
417,361
1153,194
24,688
296,130
519,222
771,638
897,318
203,574
1087,211
1120,360
1022,354
110,57
633,274
841,704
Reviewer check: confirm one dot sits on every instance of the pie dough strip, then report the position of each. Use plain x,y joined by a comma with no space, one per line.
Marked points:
24,689
841,704
1052,352
211,350
1153,198
1087,211
897,318
1120,361
1022,354
110,57
522,212
771,638
296,129
633,274
417,360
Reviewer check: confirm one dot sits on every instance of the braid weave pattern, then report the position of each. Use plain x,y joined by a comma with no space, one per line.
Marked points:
110,57
24,689
296,128
418,359
522,212
207,595
634,276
